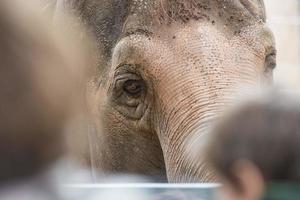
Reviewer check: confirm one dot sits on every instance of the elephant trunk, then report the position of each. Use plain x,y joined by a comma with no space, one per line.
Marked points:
183,133
183,153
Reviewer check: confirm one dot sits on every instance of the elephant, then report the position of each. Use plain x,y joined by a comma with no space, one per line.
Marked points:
166,69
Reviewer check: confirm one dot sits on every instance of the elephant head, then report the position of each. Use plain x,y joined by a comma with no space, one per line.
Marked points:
166,69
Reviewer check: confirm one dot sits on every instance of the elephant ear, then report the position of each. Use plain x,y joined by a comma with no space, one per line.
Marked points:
104,20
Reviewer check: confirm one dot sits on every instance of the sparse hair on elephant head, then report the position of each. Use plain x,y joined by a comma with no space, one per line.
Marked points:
42,81
166,70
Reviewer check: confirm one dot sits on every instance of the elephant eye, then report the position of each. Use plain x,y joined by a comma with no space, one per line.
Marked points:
129,88
133,87
270,62
128,94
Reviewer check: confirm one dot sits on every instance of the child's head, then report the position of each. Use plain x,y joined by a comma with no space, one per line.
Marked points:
40,89
258,144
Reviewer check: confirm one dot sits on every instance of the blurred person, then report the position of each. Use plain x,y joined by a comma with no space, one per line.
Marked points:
41,79
255,149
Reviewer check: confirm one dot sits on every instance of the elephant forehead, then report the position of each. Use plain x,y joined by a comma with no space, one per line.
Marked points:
189,8
232,13
112,19
190,48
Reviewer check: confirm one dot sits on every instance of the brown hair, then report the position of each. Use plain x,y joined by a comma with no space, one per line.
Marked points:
265,132
40,79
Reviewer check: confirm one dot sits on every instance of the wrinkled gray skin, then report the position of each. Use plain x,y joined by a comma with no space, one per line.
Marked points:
166,69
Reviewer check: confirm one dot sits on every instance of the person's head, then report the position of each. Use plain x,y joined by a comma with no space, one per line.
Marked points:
257,144
40,89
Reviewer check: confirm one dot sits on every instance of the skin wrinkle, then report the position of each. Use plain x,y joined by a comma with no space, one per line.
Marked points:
190,113
193,169
173,116
190,168
187,113
187,128
192,69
